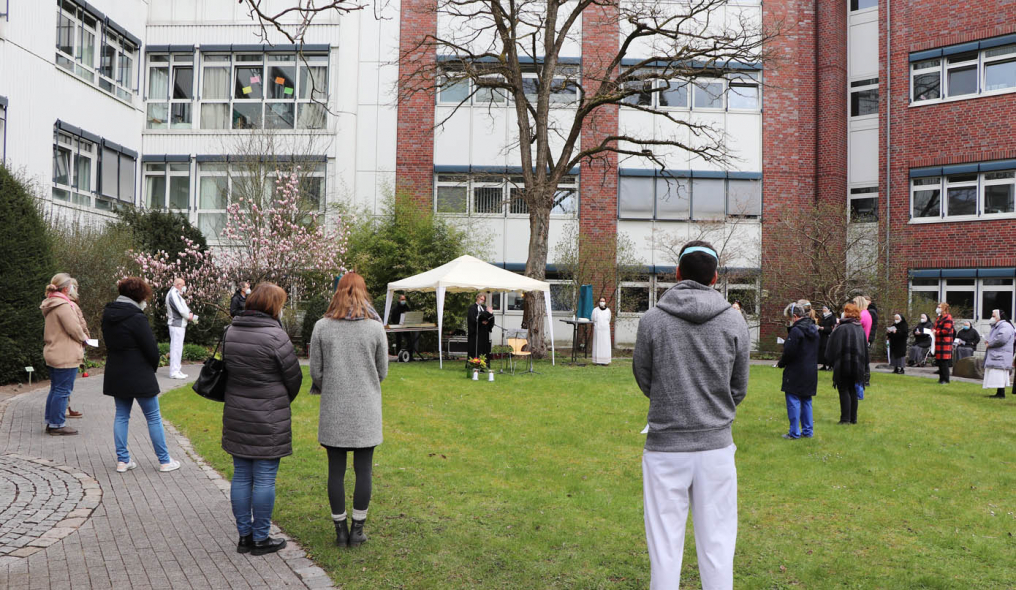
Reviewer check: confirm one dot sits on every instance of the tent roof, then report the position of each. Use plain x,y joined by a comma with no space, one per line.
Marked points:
465,274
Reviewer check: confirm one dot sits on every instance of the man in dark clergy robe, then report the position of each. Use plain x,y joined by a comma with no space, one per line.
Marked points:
479,322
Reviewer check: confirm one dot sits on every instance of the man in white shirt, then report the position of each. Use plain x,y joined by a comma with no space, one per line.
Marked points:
178,314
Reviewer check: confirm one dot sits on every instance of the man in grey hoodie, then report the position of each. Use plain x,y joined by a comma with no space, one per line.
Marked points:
691,361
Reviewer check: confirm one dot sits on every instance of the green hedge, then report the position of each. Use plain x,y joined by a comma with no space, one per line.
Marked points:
191,352
26,266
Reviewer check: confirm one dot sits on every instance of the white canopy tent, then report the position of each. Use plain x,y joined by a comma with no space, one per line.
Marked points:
468,274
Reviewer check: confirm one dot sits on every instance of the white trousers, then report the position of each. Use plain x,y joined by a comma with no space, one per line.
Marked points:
175,348
705,481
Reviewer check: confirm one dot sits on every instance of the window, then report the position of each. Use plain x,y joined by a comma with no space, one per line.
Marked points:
708,94
959,294
237,91
926,80
3,130
456,90
864,204
633,297
996,294
999,192
213,198
674,94
961,195
1000,68
671,198
864,97
926,197
739,91
167,186
74,166
863,4
490,195
561,297
742,93
81,35
961,74
118,169
644,93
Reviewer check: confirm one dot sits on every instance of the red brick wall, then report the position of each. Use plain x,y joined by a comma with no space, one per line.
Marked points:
598,178
971,130
414,161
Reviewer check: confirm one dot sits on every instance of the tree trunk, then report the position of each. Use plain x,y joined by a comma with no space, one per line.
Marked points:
534,312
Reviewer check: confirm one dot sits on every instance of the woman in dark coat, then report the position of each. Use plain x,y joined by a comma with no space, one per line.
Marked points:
800,370
922,341
132,356
263,377
826,323
847,352
898,333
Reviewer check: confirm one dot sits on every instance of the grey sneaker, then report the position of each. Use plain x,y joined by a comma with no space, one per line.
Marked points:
173,465
122,467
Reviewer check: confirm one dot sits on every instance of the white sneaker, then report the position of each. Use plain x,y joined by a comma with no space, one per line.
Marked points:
122,467
179,376
173,465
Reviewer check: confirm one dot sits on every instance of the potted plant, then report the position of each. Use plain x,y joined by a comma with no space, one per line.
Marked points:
474,365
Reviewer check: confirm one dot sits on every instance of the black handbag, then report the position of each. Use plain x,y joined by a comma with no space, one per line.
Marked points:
211,382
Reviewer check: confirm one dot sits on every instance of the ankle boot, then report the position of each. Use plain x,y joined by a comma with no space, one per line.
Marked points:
245,544
266,546
356,536
342,532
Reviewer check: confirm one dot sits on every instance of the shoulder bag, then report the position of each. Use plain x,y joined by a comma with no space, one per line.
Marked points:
211,382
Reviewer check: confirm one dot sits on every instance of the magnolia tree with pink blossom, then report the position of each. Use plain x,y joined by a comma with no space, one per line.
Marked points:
275,241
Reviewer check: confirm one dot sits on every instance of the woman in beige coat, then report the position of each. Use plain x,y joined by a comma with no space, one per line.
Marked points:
64,338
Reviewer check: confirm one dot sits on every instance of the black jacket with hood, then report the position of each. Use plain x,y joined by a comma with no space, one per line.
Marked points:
800,359
847,352
132,355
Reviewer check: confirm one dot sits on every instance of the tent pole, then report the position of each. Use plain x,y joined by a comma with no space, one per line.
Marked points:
550,326
440,323
388,306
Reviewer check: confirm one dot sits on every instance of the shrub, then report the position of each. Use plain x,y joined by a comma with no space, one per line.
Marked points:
26,265
195,352
163,348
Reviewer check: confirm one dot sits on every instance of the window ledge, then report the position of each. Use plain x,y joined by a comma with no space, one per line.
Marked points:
962,219
925,103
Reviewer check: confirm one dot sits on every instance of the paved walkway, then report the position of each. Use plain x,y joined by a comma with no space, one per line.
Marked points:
69,520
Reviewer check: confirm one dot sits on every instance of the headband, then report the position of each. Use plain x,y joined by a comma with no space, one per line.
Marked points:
702,249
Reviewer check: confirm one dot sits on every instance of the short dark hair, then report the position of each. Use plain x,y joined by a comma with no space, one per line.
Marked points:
697,266
134,287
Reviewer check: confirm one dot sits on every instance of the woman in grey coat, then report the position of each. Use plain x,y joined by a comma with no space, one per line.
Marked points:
263,377
348,362
998,353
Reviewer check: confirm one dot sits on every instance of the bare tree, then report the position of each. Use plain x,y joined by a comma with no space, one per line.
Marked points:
515,53
292,21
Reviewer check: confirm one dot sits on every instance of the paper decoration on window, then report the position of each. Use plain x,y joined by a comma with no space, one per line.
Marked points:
280,80
246,89
288,91
255,79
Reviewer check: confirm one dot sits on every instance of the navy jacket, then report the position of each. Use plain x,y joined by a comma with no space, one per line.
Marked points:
132,356
800,359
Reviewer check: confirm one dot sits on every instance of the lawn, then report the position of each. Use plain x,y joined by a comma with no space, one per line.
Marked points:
534,481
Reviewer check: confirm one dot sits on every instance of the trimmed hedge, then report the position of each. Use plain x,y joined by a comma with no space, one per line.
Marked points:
26,266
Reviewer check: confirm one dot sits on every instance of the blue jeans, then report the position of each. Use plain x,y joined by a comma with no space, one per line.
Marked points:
253,495
150,407
799,408
61,384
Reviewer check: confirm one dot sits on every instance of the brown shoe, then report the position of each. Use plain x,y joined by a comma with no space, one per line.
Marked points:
62,431
72,414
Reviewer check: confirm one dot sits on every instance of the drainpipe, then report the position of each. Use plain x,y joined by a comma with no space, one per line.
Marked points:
888,130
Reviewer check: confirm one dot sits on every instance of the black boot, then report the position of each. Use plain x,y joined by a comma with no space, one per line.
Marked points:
999,393
245,544
356,536
342,532
267,546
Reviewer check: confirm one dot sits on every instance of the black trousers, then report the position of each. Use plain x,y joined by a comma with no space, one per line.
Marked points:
848,403
943,371
363,459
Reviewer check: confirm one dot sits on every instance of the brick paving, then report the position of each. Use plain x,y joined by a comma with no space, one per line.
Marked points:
146,530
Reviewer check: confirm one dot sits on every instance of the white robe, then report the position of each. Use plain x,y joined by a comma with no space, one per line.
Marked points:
601,336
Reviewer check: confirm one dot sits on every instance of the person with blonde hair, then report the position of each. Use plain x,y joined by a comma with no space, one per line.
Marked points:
348,362
847,352
944,331
263,377
64,350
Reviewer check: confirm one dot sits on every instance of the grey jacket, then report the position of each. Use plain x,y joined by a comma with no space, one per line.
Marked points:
999,346
348,362
263,376
691,361
177,311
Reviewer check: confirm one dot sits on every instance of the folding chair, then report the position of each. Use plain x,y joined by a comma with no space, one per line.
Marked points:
517,345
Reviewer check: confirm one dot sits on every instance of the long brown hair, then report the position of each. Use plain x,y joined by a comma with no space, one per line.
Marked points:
267,298
350,299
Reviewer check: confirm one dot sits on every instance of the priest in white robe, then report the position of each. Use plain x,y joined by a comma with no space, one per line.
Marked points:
601,333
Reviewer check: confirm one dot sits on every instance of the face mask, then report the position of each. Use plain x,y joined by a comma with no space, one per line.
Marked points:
402,302
924,318
73,292
938,311
603,305
896,320
966,326
826,314
247,292
143,305
993,321
183,289
843,316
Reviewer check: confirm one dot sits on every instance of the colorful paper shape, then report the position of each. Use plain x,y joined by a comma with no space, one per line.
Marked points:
255,79
280,80
246,89
288,91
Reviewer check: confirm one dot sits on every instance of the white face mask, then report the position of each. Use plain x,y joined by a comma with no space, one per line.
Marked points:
183,289
924,318
603,305
247,292
72,292
896,320
938,311
843,316
143,305
993,321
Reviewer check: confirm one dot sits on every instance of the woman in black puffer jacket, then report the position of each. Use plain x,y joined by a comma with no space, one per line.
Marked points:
847,352
132,356
263,377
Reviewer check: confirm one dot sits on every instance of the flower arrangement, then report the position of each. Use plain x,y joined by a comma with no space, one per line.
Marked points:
476,364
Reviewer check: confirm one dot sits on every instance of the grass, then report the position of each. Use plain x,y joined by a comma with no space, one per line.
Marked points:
534,481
